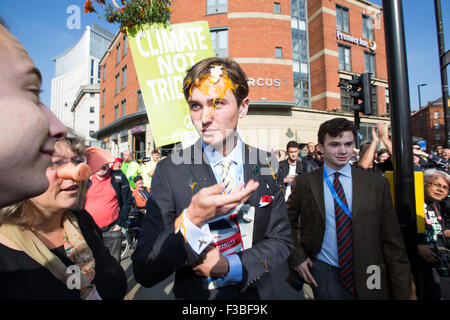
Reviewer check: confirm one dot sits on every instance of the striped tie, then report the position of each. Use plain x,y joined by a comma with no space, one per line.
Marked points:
345,239
227,176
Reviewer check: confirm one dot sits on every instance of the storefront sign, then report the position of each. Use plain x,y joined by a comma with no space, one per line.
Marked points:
138,129
264,82
162,54
371,44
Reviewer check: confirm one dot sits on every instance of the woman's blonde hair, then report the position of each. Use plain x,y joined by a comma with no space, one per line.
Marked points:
17,213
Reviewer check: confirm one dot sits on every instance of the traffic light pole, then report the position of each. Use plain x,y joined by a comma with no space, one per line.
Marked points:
357,122
443,67
401,126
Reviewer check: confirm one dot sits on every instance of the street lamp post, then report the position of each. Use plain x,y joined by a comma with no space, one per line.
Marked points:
418,89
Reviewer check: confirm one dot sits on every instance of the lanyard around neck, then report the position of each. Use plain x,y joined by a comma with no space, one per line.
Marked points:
335,196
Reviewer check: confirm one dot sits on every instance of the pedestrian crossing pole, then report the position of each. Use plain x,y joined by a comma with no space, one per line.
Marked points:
401,126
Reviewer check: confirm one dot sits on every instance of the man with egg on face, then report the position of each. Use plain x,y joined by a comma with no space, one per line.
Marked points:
217,217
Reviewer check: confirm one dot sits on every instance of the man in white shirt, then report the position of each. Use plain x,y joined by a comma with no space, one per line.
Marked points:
290,167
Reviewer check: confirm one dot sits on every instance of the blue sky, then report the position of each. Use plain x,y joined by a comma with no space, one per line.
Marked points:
42,29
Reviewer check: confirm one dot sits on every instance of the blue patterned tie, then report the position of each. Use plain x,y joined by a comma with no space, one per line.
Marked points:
345,239
227,176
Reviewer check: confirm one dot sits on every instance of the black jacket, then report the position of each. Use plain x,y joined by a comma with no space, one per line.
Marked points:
310,164
161,251
120,184
283,170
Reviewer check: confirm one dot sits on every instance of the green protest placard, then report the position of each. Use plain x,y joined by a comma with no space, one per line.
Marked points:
161,55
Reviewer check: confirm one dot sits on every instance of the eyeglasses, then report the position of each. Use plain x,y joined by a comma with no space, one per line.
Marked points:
62,160
438,185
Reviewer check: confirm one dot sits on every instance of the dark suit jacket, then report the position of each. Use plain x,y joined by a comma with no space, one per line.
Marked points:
161,251
377,237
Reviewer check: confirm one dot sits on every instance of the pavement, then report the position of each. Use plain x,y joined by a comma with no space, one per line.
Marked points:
163,290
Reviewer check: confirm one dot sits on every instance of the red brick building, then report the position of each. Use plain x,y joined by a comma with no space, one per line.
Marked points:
294,53
346,37
428,123
123,119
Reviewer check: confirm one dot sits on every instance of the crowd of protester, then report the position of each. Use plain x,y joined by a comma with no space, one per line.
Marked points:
221,226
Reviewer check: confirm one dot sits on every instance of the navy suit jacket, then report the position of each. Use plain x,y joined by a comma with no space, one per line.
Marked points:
161,251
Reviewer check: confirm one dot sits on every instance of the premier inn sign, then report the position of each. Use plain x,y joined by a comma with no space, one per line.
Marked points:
371,44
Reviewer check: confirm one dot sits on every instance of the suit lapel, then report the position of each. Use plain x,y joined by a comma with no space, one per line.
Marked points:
316,183
357,186
200,168
250,162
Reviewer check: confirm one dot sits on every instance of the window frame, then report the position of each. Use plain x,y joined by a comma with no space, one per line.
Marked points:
118,53
372,62
214,7
278,52
368,32
124,77
340,19
218,51
345,48
277,8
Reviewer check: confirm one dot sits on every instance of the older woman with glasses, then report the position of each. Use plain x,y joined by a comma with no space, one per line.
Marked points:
431,262
51,250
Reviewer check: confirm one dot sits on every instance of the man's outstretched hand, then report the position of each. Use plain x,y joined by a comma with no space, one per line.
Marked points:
209,202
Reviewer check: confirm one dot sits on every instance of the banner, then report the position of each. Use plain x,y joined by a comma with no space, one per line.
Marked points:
161,55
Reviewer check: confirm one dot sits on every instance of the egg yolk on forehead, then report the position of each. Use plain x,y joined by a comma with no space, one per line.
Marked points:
214,87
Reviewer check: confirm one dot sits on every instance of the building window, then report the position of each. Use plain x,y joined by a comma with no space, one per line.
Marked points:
219,39
278,52
91,133
141,105
438,136
369,62
125,45
367,23
118,53
92,72
91,122
436,115
124,77
103,120
374,101
92,109
300,53
388,106
342,19
216,6
117,82
116,111
124,108
365,130
346,101
437,126
344,58
104,72
276,7
103,97
98,72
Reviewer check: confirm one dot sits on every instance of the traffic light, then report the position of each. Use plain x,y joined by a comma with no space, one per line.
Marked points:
362,90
